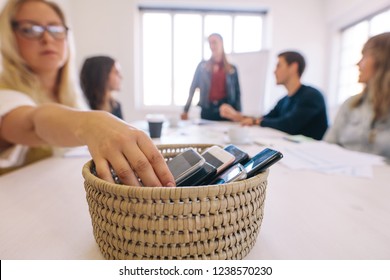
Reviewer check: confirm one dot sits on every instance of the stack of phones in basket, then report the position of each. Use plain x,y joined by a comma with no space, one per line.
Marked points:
218,165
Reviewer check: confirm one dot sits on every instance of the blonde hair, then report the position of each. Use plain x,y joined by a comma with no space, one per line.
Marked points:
378,88
17,75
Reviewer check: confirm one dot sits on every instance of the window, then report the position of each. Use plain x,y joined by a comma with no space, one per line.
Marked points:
175,41
352,41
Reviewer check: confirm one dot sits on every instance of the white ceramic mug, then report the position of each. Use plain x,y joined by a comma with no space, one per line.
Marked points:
174,121
239,135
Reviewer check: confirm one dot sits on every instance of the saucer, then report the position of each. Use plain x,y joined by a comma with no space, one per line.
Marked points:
244,141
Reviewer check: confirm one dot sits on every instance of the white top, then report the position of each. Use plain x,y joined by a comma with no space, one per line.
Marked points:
10,100
352,129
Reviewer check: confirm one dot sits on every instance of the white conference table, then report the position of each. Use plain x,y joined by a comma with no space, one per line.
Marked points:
308,215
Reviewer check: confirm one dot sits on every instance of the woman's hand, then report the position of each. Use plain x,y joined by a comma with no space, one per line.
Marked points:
129,151
184,116
249,121
228,112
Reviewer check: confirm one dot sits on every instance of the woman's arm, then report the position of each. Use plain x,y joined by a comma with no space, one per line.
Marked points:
193,87
227,111
237,105
111,141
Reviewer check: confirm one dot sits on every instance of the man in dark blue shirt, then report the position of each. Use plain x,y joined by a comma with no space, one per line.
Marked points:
301,111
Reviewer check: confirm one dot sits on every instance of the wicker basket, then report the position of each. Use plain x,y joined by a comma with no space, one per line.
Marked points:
205,222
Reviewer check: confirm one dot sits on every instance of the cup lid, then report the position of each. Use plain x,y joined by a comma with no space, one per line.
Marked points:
155,118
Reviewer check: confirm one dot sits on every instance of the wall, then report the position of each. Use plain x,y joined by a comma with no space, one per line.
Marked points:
252,72
343,13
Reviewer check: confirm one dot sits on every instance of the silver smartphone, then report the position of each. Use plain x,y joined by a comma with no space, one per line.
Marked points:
235,173
184,164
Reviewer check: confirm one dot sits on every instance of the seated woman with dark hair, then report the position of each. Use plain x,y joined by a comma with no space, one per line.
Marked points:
100,77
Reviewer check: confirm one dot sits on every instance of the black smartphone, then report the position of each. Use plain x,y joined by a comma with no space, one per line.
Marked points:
184,164
235,173
200,177
240,156
262,161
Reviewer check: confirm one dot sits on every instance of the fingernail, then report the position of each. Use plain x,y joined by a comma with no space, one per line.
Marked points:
171,185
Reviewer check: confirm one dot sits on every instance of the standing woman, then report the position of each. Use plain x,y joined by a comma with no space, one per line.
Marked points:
363,121
100,78
39,102
217,81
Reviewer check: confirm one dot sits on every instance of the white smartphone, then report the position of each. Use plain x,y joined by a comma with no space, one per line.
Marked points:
218,157
184,164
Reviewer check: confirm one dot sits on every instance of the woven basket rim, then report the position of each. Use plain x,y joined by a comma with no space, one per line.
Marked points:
119,188
172,193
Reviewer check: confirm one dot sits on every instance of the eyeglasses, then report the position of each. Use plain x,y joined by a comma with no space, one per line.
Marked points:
31,30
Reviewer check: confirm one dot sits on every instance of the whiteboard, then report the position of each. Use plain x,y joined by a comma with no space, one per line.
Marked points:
252,72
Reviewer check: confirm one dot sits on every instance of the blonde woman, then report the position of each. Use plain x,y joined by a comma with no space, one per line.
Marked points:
363,121
217,81
39,103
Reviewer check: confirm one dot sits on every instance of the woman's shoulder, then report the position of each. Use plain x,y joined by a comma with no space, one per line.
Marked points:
201,65
354,99
349,104
14,95
232,69
11,99
233,66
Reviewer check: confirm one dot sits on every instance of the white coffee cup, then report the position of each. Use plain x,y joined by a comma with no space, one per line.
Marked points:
174,121
239,135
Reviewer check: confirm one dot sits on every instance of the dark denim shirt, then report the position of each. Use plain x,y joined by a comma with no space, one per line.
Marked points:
202,80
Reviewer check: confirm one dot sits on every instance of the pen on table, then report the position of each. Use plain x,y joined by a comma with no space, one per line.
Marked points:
291,139
263,144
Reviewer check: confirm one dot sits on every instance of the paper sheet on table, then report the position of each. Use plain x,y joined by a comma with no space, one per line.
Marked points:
329,158
81,151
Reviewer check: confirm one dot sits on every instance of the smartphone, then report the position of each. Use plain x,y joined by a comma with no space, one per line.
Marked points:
262,161
240,156
184,164
218,157
235,173
113,174
200,177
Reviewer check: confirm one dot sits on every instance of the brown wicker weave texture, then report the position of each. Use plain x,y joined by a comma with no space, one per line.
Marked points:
205,222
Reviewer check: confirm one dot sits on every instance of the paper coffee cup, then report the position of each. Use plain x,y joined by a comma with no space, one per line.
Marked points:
155,123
